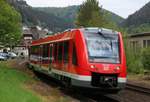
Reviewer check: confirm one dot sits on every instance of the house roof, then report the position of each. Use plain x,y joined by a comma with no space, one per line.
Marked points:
27,32
140,34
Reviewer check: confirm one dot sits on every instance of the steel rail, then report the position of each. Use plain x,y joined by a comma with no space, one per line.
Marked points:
139,89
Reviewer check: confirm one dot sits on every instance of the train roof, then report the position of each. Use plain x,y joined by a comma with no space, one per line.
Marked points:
68,34
99,30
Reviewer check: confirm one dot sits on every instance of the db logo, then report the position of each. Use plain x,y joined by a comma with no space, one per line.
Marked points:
106,67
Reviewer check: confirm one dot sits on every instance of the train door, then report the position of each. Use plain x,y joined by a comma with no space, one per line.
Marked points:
73,57
66,55
50,56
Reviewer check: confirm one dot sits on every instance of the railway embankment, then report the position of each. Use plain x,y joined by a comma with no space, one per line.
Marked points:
49,91
12,84
19,84
140,80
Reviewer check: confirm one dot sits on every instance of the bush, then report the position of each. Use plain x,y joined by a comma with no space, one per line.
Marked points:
134,64
146,58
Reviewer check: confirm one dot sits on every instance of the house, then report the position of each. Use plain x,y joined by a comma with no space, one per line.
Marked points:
28,35
139,41
38,32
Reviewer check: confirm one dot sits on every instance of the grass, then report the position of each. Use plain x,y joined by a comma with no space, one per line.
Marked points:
18,85
12,86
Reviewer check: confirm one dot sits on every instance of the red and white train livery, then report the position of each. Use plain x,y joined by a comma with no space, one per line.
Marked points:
85,57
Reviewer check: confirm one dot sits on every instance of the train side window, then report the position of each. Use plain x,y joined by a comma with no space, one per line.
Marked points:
66,51
34,53
74,56
55,51
60,51
34,50
51,53
45,50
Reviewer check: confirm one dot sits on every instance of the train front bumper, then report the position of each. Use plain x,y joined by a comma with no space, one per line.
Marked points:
121,83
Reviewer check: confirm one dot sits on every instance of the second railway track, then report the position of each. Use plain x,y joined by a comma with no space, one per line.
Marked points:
139,89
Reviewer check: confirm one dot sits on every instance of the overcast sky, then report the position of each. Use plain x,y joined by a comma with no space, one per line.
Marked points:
120,7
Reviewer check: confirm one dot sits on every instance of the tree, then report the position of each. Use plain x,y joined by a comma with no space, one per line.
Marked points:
10,24
146,58
90,14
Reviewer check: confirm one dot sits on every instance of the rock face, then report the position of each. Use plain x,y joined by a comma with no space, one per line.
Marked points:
141,16
21,2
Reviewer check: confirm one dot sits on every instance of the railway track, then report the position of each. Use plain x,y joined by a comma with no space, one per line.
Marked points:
105,98
94,98
98,98
139,89
75,93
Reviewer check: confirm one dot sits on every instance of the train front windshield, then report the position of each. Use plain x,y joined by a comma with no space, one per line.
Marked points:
103,47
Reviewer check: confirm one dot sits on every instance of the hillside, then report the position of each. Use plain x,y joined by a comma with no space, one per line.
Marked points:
30,17
139,21
55,19
65,12
70,13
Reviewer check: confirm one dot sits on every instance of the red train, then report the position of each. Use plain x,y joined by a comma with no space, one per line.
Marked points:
92,58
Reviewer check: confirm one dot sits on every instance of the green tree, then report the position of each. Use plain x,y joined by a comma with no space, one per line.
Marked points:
10,24
146,58
90,14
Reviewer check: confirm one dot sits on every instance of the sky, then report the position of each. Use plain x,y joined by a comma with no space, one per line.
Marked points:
123,8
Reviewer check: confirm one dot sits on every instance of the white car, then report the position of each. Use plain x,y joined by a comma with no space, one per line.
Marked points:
12,54
2,58
2,54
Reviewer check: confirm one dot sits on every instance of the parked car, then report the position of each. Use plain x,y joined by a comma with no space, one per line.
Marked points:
6,55
12,55
2,58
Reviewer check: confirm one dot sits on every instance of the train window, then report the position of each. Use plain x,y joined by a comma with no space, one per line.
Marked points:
55,51
74,55
45,50
51,53
34,53
34,50
103,47
66,51
60,51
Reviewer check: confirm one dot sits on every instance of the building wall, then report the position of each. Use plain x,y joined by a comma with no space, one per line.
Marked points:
21,50
139,42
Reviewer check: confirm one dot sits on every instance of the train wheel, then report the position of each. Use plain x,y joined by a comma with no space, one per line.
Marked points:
66,82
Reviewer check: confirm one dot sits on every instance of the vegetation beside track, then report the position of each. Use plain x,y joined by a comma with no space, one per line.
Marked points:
138,62
18,84
12,86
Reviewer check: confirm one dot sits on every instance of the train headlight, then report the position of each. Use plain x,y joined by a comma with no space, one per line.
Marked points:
92,66
117,68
